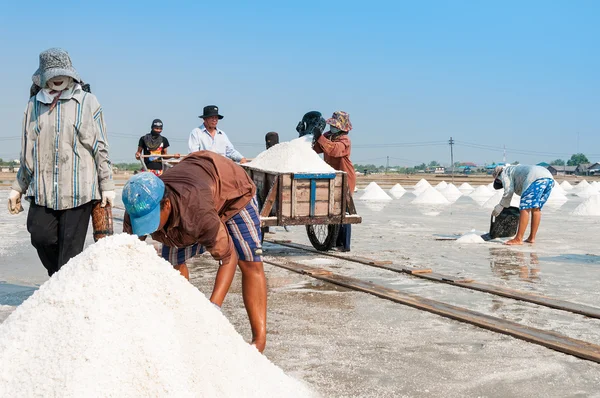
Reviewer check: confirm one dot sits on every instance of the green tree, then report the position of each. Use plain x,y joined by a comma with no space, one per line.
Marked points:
433,163
422,166
557,162
577,159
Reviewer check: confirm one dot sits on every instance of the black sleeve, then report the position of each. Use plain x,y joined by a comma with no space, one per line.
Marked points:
141,142
165,142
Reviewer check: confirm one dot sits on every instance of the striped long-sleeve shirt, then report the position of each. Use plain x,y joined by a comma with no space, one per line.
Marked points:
64,152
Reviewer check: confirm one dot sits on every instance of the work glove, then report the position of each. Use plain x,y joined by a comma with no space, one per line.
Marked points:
14,202
497,210
317,131
107,197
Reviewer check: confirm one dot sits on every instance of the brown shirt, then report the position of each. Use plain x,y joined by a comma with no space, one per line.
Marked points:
336,153
205,189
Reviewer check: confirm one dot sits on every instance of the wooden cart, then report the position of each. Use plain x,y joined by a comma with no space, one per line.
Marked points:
320,201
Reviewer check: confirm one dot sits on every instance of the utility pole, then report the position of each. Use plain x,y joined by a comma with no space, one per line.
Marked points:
504,156
451,142
387,164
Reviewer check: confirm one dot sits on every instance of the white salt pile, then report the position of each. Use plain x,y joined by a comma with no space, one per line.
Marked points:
441,185
495,199
582,184
585,191
397,191
490,186
451,193
466,187
431,196
374,192
481,191
118,321
589,207
470,237
422,182
371,185
291,157
566,186
557,195
595,185
421,186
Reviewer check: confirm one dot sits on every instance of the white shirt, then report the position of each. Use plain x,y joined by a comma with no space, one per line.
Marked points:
200,139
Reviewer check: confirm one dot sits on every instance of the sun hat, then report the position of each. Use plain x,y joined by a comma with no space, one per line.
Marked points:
341,120
141,196
210,110
497,171
54,62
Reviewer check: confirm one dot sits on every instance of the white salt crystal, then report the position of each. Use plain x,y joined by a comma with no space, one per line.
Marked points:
375,193
481,191
470,238
295,156
495,199
466,187
451,193
589,207
441,185
371,185
119,321
430,196
422,182
397,191
566,186
585,191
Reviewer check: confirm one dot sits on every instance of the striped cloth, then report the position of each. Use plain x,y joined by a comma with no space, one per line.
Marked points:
64,152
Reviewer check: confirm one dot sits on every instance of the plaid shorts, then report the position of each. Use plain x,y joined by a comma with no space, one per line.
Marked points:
536,195
244,230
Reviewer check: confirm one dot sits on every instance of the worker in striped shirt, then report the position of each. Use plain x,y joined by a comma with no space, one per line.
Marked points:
65,166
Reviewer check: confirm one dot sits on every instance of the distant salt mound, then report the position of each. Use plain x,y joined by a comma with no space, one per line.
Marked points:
559,188
583,184
431,196
441,185
490,186
119,321
470,237
451,193
422,182
586,191
589,207
595,185
375,193
566,186
495,199
481,191
371,185
556,196
466,187
397,191
291,157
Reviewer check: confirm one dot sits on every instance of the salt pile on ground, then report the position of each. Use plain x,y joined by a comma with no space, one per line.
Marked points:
557,195
431,196
595,185
466,187
119,321
371,185
397,191
490,186
566,186
470,238
421,186
291,157
374,192
481,191
441,185
589,207
495,199
451,193
422,182
585,192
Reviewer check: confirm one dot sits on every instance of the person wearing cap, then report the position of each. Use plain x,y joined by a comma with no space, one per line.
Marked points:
153,144
534,184
207,201
335,146
271,139
311,121
65,167
210,138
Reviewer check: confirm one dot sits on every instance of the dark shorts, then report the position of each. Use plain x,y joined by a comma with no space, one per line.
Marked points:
536,195
244,230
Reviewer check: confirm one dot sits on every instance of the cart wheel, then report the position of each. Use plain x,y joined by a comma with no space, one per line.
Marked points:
262,233
323,237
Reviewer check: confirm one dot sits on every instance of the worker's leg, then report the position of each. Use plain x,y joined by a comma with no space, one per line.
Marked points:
244,229
42,224
536,217
523,221
542,188
72,231
178,257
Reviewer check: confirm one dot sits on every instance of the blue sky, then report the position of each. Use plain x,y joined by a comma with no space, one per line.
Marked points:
525,75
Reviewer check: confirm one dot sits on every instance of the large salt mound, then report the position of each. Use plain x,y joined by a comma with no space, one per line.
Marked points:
441,185
585,191
566,186
589,207
397,191
451,193
291,157
118,321
582,184
422,182
371,185
431,196
595,185
481,191
557,195
495,199
466,187
375,192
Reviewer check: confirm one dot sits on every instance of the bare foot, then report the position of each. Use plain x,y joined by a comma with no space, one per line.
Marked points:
260,345
514,242
530,240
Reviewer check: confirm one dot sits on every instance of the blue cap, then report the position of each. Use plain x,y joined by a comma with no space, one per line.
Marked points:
141,196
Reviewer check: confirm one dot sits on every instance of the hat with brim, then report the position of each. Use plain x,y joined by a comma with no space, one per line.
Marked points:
141,196
210,110
341,120
54,62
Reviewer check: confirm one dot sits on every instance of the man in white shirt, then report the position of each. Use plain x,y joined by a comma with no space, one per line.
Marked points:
208,137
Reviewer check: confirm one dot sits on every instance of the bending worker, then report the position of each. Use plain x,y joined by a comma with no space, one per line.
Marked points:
206,201
533,184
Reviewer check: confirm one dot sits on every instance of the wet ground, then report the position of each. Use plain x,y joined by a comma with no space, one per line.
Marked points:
347,343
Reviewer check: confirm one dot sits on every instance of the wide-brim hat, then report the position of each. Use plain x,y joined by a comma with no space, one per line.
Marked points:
210,110
141,196
54,62
341,120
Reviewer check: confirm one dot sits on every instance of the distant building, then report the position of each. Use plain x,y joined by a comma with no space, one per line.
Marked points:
561,170
594,169
543,164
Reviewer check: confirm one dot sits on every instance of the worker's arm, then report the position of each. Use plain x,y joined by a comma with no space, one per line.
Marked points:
335,149
509,189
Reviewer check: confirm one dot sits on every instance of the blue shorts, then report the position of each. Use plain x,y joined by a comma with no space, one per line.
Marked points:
244,230
536,194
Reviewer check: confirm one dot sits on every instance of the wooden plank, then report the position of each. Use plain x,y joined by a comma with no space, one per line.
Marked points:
268,221
293,197
306,183
558,342
280,209
344,197
331,196
308,220
303,209
425,273
303,194
352,219
270,200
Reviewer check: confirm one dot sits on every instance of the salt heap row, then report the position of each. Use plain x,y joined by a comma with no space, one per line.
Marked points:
295,156
374,192
119,321
397,191
589,207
